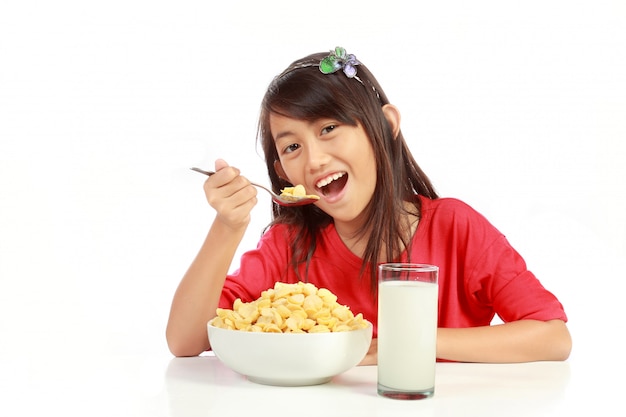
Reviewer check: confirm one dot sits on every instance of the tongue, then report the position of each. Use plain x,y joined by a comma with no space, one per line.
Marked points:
335,187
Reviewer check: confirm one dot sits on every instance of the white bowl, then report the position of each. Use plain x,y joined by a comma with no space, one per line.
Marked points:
290,359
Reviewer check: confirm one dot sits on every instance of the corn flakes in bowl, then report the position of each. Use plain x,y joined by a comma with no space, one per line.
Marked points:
293,335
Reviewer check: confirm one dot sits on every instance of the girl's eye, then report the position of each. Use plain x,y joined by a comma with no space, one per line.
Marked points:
291,148
328,129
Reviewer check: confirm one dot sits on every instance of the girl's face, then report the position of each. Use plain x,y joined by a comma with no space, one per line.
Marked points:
331,159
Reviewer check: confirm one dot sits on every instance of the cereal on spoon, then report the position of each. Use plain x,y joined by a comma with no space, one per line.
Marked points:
296,193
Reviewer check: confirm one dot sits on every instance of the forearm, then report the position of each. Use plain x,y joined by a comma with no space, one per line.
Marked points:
198,293
520,341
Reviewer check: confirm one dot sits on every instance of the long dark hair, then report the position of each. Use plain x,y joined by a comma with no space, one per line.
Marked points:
303,92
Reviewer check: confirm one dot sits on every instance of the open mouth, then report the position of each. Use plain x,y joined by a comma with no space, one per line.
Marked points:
332,184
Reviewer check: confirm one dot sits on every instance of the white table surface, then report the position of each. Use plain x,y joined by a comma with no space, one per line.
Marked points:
160,385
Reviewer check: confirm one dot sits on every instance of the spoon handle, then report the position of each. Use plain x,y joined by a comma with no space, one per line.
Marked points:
209,173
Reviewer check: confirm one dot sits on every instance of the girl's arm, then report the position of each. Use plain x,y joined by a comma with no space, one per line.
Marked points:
198,293
518,341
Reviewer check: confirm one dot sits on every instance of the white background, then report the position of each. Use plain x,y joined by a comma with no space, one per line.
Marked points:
516,107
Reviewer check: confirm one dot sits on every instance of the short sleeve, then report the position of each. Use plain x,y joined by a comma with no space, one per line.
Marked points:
501,279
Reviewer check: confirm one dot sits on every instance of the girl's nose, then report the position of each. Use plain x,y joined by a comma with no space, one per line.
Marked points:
317,156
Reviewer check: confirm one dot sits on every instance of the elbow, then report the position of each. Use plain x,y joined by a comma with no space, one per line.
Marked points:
561,346
564,350
181,348
182,351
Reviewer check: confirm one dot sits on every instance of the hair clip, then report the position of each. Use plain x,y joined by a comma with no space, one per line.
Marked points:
339,59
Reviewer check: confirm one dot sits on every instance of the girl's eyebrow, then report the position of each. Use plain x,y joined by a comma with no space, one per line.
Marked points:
281,135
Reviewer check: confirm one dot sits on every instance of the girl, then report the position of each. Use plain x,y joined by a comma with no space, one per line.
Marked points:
327,124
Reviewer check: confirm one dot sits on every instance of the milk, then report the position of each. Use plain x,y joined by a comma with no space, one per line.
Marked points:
407,335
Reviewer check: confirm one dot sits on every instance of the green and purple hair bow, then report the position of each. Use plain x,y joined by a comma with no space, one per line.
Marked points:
339,59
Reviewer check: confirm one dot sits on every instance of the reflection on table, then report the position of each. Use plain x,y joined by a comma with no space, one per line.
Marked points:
204,386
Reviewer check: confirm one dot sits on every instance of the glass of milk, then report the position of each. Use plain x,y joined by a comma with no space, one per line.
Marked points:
407,330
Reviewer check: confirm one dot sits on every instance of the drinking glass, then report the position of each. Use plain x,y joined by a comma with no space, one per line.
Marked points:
407,330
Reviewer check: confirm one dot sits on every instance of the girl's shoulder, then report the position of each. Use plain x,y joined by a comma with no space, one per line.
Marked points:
446,204
451,212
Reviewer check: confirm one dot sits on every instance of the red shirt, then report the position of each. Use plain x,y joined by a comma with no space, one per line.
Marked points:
480,274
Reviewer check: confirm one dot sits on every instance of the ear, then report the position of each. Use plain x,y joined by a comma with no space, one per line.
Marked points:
278,167
392,114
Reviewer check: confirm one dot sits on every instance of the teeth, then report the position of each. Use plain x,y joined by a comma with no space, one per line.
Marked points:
324,182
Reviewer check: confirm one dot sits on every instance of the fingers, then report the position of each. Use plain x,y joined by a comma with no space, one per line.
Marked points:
219,164
230,194
234,209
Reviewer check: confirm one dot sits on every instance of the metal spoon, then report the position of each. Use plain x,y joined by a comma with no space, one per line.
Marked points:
288,201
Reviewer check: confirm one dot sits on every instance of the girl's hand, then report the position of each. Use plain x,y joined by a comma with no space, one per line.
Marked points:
231,195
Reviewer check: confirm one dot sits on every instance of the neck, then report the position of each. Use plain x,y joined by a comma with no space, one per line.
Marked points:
356,237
